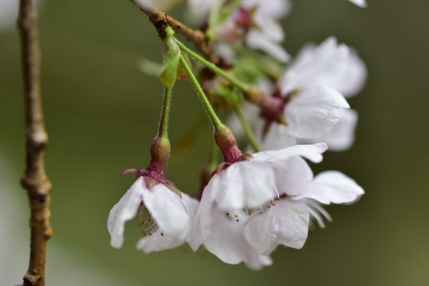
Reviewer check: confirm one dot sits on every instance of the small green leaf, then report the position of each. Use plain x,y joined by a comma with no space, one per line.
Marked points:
171,56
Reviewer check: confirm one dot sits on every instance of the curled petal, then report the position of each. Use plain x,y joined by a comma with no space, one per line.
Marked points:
333,187
310,152
125,210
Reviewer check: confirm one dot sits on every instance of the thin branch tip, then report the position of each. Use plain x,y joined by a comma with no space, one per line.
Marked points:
198,38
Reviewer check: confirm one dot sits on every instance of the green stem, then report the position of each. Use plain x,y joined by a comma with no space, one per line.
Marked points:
247,130
215,120
163,125
244,87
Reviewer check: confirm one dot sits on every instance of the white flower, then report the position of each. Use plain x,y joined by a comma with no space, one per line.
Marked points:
266,33
248,185
329,64
314,86
286,220
171,216
255,20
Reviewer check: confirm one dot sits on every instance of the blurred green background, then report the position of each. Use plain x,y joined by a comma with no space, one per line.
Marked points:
102,112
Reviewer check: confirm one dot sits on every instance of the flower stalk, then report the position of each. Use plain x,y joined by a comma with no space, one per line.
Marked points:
241,85
217,124
247,130
160,148
224,138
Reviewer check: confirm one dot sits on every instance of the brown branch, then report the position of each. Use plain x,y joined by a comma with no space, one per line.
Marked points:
34,179
198,38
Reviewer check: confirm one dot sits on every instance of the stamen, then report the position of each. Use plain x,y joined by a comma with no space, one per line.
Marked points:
316,216
319,209
141,208
153,224
277,191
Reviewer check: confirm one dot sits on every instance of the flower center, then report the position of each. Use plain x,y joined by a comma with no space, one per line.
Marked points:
151,226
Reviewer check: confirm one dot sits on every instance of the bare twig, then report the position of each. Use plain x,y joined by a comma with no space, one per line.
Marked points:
196,37
34,179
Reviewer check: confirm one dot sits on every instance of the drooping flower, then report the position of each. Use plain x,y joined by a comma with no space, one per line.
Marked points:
171,215
287,219
249,185
312,90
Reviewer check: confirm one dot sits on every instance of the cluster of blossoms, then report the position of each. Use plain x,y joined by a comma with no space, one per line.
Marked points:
252,201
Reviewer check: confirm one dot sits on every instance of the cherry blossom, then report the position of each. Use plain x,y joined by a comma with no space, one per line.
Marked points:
248,185
254,20
170,221
286,220
313,88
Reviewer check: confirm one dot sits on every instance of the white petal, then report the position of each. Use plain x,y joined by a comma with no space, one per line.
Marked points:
285,223
313,112
315,66
270,29
158,242
342,135
274,8
203,220
310,152
294,179
278,137
354,77
226,239
125,210
244,184
333,187
191,208
257,40
168,211
198,9
360,3
260,262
